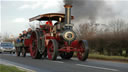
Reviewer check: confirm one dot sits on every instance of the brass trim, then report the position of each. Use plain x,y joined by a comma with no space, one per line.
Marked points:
66,35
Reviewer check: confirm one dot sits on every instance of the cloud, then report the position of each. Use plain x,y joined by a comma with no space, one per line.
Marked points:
19,20
50,4
24,6
0,18
40,4
18,0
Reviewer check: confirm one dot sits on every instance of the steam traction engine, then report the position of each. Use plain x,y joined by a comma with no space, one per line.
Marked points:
59,39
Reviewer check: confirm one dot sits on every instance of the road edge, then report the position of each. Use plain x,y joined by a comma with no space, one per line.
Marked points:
9,63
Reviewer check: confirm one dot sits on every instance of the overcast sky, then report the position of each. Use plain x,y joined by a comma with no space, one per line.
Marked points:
14,14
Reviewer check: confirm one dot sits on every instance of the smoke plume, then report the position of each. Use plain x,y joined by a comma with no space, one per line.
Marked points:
89,9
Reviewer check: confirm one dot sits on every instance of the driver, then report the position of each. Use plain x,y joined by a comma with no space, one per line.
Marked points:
49,23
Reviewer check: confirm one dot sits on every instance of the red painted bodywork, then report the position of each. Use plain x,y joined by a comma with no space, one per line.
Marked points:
26,44
47,35
69,48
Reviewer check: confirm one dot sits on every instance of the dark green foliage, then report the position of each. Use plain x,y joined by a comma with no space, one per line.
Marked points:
110,39
110,45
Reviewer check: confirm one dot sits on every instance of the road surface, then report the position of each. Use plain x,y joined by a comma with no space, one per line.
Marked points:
73,65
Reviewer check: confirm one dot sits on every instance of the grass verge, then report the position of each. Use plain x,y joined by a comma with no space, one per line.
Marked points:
5,68
110,58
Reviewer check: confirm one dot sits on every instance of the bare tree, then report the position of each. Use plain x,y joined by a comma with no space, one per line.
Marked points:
6,38
86,31
111,39
117,26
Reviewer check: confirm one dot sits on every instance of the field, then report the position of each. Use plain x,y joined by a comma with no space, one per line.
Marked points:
5,68
111,58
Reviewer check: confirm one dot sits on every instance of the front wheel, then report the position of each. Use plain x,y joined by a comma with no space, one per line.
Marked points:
82,54
52,49
13,52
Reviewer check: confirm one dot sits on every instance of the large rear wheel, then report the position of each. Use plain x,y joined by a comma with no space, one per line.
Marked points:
34,46
43,50
82,54
52,49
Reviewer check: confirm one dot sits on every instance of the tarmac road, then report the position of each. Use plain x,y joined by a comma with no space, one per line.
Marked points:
73,65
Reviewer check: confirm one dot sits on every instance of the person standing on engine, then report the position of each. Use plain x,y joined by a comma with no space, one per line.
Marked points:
18,40
29,32
49,23
24,35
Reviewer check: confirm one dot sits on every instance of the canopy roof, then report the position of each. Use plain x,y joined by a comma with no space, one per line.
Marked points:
49,16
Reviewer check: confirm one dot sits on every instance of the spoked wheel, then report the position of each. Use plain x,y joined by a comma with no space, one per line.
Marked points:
34,45
43,50
66,55
83,53
52,49
18,50
23,52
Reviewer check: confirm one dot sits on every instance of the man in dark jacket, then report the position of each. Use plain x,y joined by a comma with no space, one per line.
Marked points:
24,35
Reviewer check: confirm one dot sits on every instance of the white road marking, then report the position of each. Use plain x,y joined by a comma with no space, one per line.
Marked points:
97,67
28,70
58,61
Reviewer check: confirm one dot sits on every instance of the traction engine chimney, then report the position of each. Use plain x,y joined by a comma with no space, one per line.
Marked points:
68,14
